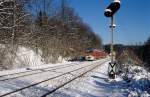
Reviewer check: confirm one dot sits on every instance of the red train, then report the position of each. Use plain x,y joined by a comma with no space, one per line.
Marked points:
94,54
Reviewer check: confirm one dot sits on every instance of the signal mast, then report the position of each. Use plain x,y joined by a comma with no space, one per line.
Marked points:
109,12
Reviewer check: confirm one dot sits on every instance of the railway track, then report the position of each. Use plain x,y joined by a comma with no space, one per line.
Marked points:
60,86
84,68
33,72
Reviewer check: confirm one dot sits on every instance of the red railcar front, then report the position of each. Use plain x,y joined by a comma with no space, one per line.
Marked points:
95,54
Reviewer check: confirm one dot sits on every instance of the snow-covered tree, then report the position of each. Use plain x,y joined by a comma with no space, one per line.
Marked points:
146,53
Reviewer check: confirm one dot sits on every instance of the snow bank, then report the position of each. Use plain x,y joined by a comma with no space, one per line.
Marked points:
140,82
20,57
27,57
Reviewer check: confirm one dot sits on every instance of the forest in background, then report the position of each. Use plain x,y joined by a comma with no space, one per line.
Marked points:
48,26
137,54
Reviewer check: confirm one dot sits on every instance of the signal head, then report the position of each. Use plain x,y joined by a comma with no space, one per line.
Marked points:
112,8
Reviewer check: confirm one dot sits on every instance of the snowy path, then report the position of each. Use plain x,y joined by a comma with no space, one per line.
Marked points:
42,88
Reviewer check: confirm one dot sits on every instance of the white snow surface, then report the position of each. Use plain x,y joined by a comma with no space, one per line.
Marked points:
97,84
94,84
23,57
39,90
29,57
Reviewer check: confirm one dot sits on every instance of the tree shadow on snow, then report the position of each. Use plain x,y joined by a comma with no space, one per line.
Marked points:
142,84
111,87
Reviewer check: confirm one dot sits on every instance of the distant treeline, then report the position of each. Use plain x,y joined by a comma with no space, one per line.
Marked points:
50,26
141,51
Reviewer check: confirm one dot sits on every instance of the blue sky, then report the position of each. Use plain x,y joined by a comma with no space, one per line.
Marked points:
132,20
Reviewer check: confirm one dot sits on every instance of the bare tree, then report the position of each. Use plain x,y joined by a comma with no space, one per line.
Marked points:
49,26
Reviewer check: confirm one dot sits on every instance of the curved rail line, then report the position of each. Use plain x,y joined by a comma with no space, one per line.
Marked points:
60,86
34,73
17,90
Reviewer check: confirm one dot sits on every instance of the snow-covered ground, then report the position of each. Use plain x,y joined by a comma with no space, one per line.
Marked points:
41,75
96,84
34,68
93,84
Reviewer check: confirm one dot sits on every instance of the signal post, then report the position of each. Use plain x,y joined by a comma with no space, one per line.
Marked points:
109,12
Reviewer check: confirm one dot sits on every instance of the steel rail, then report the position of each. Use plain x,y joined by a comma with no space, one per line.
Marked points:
17,90
31,70
62,85
43,71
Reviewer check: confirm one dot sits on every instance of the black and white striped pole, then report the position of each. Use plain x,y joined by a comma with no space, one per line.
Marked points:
109,12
